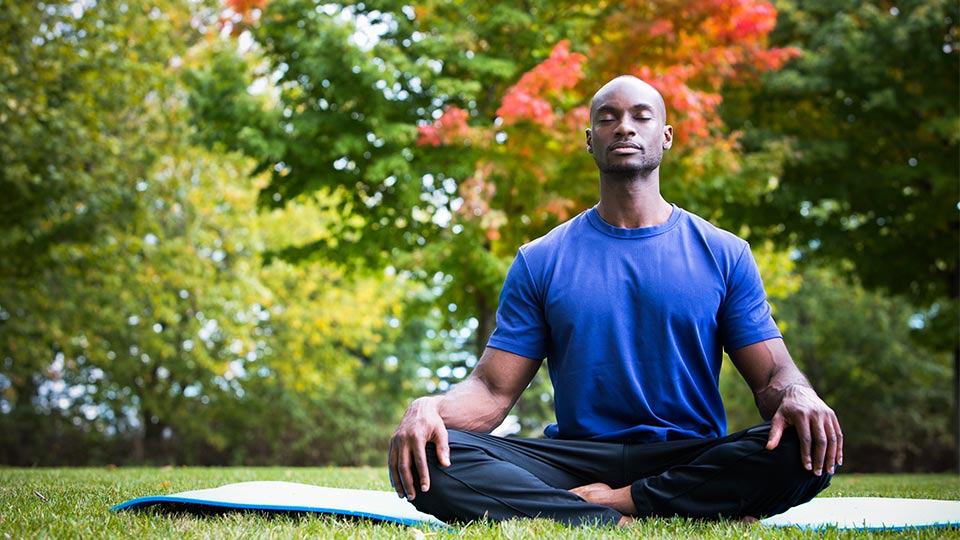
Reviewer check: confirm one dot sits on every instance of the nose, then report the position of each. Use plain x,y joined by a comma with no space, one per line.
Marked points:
625,128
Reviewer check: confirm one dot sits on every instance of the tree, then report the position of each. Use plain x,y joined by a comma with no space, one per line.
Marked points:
870,172
78,111
458,142
851,342
138,322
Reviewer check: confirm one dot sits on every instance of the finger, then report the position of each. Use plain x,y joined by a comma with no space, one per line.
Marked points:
819,436
443,447
406,475
420,458
392,467
830,456
776,431
839,442
838,451
803,433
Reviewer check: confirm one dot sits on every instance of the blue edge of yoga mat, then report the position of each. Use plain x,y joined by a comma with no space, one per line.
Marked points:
853,513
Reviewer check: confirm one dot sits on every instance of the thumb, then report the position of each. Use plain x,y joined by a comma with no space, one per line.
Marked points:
777,425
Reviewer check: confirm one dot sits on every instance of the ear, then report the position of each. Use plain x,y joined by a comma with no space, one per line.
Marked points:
667,137
589,141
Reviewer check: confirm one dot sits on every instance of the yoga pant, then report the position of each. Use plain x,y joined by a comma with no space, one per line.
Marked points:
722,478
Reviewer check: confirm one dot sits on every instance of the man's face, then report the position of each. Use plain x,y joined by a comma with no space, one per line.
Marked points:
629,131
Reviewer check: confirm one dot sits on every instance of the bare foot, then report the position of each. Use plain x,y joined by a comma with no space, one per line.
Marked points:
602,494
592,492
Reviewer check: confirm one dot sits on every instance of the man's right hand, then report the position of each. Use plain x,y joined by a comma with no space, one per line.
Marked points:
421,424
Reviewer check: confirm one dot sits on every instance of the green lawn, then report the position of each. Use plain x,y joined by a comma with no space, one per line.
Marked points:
74,503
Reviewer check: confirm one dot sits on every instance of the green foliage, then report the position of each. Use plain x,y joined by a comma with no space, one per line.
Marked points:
82,102
77,90
137,319
869,120
148,308
66,503
892,396
449,210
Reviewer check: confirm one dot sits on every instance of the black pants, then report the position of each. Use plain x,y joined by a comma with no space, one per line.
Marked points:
730,477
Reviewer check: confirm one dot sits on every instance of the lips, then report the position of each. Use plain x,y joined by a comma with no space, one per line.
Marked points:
624,147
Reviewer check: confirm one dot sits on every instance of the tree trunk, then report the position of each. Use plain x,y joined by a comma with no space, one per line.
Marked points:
486,323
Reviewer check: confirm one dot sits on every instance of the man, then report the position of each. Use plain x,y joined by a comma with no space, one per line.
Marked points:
632,302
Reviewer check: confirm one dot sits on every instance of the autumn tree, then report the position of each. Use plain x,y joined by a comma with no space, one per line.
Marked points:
496,158
455,143
869,117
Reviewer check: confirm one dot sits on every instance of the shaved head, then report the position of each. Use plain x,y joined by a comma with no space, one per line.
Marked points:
635,85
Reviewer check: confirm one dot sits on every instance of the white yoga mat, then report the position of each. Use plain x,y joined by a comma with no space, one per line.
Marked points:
860,513
869,513
294,497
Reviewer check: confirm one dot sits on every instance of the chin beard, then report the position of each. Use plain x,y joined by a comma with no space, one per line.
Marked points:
643,168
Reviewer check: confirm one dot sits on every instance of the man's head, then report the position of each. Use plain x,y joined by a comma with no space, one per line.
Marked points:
628,128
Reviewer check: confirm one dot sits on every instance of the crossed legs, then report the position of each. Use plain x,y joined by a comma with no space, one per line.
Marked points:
731,477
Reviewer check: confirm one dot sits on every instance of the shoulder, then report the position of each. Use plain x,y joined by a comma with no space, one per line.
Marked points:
717,239
557,238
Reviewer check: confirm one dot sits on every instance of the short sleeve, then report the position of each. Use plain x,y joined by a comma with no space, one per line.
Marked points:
521,324
745,317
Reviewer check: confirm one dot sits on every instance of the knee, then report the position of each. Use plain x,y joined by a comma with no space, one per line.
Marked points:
440,500
788,477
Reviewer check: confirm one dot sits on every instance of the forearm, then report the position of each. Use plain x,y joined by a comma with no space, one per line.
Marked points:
470,406
770,372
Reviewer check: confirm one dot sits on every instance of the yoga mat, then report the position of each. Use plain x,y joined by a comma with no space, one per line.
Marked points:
859,513
869,513
294,497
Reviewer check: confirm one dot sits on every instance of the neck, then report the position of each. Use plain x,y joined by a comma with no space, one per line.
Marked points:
633,203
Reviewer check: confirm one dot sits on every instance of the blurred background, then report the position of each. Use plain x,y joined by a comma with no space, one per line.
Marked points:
250,232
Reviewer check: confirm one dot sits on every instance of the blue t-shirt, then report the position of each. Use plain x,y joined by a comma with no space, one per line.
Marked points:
633,323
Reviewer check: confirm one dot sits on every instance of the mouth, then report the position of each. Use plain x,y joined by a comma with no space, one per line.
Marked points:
624,147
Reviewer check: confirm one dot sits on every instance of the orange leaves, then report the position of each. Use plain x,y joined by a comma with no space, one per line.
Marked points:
451,127
239,14
690,50
738,21
245,7
527,100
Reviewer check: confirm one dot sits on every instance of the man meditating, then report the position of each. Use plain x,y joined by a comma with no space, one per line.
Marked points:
632,302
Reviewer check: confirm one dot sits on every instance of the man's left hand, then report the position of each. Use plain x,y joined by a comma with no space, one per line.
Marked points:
821,440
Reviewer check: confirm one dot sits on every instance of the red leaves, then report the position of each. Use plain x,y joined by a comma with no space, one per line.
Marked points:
690,50
527,100
451,127
245,7
239,14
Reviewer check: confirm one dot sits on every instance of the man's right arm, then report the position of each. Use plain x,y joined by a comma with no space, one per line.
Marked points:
479,403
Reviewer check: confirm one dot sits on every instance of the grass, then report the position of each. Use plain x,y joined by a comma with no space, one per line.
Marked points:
74,503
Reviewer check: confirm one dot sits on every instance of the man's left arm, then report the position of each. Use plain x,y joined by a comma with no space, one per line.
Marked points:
786,398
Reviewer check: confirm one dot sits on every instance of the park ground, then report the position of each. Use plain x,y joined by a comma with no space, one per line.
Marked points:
75,503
